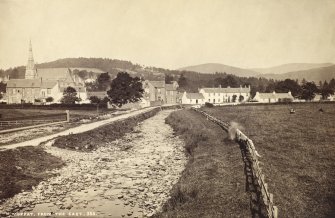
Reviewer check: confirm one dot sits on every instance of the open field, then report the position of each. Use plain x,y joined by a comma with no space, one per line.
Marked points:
297,151
21,113
212,184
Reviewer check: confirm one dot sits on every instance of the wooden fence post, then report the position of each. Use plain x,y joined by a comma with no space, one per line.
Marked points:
275,212
67,115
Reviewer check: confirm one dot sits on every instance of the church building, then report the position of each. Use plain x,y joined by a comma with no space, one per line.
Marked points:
40,84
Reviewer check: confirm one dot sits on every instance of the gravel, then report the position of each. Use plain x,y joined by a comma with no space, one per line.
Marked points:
130,177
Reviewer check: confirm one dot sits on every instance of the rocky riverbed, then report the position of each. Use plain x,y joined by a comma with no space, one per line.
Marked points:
130,177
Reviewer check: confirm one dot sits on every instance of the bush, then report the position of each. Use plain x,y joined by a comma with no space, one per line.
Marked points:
207,104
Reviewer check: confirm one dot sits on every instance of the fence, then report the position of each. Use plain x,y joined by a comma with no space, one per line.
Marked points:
258,176
35,120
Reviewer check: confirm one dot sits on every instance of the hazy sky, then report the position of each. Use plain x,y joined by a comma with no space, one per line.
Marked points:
169,34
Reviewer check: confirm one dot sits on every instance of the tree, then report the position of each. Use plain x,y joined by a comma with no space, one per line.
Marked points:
70,96
182,81
288,85
95,100
234,98
331,84
168,79
308,91
2,89
125,89
49,99
103,81
303,81
326,92
229,80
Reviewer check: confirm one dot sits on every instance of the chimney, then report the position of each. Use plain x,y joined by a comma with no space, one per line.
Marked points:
274,92
220,86
289,92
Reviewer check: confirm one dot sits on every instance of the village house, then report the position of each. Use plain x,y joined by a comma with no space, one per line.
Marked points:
40,84
193,98
159,93
225,95
272,97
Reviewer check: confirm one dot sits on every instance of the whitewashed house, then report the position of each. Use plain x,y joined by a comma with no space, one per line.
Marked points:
225,95
272,97
193,98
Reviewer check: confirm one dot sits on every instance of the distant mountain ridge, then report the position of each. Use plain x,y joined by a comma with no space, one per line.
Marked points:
220,68
315,74
309,71
285,68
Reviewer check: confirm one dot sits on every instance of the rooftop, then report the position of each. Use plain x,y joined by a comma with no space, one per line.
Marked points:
194,96
24,83
227,90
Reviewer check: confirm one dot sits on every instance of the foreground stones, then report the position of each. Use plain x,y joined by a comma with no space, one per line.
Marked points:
130,177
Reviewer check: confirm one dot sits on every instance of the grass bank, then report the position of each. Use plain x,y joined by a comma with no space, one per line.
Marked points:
91,140
297,151
212,184
24,167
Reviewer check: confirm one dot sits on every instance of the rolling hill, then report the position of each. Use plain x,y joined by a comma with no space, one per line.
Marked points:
285,68
210,68
315,74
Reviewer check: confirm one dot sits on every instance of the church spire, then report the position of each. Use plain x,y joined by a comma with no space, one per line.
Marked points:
30,69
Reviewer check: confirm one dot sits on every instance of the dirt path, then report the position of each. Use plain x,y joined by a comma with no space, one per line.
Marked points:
74,130
131,177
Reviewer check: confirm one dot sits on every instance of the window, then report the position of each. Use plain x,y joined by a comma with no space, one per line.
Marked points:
209,100
196,101
48,91
214,100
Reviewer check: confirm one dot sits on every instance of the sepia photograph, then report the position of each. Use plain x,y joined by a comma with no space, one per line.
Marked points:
167,108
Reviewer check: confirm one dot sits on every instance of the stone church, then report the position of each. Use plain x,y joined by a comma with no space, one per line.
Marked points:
40,84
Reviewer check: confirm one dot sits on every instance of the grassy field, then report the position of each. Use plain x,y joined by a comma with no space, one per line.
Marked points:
22,168
20,113
298,152
212,184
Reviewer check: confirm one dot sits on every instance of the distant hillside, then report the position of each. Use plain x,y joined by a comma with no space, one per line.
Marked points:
315,74
285,68
220,68
99,65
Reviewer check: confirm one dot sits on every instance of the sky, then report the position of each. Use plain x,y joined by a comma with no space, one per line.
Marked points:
169,33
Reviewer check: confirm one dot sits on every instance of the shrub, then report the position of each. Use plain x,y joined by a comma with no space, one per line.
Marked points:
207,104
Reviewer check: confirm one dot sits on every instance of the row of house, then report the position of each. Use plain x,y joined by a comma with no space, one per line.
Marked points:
217,95
220,95
47,83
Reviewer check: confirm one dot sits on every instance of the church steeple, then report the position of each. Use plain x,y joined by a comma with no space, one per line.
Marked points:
30,69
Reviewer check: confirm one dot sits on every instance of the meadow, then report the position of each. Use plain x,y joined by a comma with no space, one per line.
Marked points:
298,153
9,114
212,184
